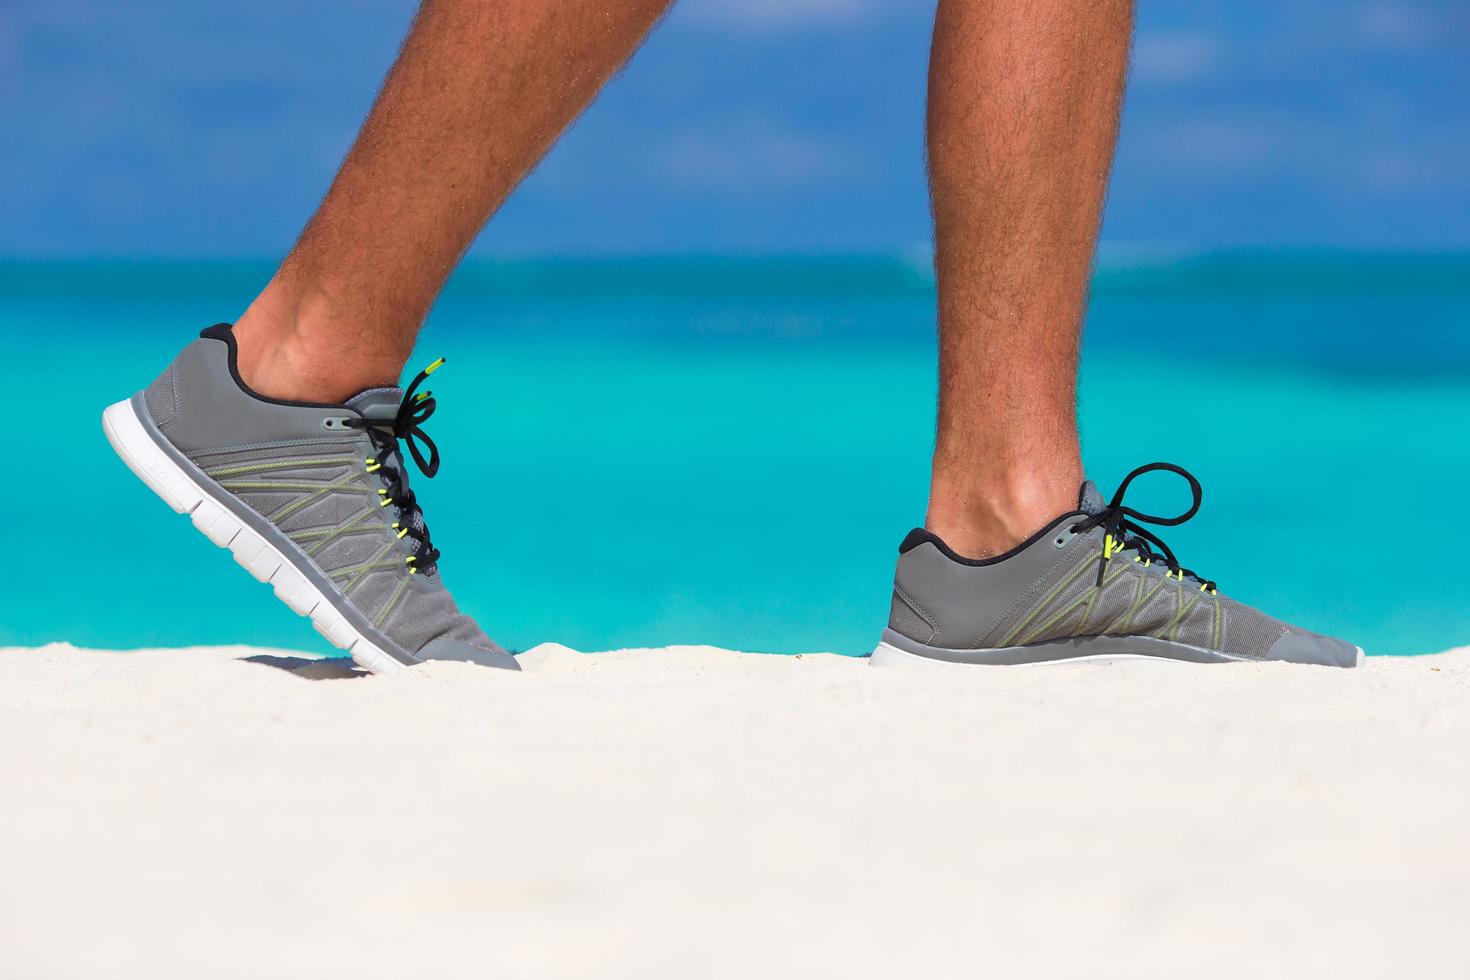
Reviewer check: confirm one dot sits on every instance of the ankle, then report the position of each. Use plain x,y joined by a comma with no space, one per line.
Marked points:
981,520
287,350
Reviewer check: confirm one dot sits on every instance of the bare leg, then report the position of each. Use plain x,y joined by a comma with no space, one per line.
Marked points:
479,93
1024,97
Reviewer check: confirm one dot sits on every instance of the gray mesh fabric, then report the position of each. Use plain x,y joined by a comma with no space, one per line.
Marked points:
903,617
1198,627
333,510
326,501
1248,632
1113,602
376,590
1133,600
162,398
427,616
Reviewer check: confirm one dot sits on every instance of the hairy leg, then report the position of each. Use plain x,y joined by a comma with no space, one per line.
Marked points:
479,93
1024,98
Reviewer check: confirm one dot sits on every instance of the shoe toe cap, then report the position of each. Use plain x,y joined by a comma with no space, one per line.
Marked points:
447,649
1309,648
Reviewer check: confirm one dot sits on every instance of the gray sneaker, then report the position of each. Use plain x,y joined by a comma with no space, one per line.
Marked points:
1092,585
313,499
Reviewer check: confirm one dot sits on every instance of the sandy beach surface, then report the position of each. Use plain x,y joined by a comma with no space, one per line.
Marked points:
691,812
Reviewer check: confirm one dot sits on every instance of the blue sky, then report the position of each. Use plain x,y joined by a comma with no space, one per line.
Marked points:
192,129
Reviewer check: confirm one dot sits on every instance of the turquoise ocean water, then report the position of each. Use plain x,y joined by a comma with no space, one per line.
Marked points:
728,451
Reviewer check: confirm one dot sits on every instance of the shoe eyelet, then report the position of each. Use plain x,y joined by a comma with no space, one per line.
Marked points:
335,424
1063,538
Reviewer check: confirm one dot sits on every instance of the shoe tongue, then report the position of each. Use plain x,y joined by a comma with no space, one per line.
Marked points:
376,403
382,404
1090,500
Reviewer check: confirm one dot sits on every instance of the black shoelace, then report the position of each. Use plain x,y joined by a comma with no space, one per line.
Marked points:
1122,530
389,436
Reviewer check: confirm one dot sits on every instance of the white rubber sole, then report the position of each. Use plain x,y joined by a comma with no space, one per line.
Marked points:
888,655
255,554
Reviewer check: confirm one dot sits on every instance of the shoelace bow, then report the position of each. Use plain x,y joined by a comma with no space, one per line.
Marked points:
388,435
1122,530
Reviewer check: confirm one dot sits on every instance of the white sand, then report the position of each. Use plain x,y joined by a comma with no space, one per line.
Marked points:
696,813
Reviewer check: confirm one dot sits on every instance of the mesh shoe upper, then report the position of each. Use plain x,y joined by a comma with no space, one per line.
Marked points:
322,498
1133,600
1074,580
320,484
